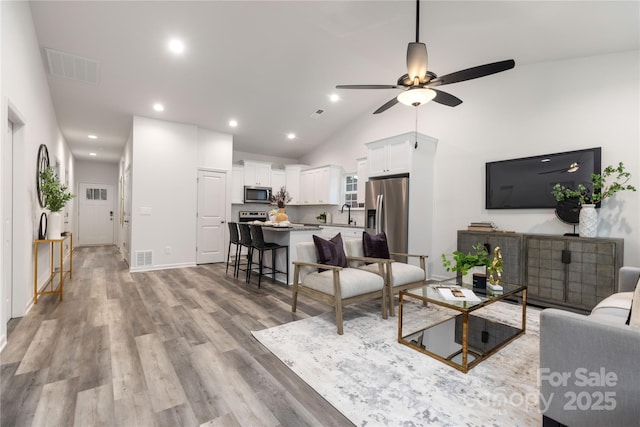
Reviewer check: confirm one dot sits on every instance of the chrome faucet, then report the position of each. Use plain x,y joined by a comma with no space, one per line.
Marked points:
349,212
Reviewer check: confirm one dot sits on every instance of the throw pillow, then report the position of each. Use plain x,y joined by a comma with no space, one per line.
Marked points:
634,313
330,252
375,246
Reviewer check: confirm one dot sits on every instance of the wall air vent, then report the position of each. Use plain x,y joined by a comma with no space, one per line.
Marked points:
72,67
144,258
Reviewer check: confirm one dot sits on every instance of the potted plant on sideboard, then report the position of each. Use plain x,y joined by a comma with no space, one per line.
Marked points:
56,196
588,197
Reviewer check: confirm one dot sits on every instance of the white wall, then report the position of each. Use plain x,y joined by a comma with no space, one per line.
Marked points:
530,110
276,162
25,94
165,158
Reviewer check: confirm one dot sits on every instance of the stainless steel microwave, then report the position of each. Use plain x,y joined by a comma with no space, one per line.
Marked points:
257,194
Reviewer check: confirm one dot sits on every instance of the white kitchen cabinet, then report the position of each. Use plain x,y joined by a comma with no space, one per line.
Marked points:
363,176
347,233
307,188
278,180
237,184
292,173
257,174
321,186
390,156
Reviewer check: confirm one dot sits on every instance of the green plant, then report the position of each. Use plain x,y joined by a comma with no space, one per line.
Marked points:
55,193
280,198
465,262
322,217
600,190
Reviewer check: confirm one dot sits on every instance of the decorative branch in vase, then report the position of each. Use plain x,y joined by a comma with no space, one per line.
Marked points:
588,197
281,198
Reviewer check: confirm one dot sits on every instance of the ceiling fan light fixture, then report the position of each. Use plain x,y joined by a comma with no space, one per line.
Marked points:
416,97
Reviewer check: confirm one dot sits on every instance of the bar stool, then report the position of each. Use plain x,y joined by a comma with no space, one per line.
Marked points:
244,242
234,239
261,246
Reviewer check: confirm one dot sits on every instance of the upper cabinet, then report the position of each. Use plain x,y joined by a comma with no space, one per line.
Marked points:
363,176
320,186
292,173
257,174
278,180
237,184
390,156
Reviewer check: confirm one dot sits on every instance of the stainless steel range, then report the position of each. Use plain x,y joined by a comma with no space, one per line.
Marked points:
249,216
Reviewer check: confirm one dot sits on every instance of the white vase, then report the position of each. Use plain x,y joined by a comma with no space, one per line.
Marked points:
468,278
588,225
54,226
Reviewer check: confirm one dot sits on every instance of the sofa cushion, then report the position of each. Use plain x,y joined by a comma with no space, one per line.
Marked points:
353,282
375,246
614,307
402,274
634,313
330,252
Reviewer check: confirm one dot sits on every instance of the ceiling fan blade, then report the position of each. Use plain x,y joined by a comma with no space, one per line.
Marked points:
366,87
386,106
417,60
445,98
473,73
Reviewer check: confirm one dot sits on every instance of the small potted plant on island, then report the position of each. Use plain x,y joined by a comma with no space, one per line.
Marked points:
281,198
588,197
56,196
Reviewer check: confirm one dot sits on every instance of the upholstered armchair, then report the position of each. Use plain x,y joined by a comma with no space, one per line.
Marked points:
335,285
398,275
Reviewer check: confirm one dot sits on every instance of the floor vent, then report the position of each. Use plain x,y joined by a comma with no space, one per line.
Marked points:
144,258
72,67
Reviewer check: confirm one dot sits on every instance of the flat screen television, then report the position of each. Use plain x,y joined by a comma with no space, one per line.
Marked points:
526,183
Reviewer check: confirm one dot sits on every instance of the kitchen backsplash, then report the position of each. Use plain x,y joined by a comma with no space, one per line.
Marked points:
304,214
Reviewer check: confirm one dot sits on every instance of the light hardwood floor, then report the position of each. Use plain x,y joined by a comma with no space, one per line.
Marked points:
163,348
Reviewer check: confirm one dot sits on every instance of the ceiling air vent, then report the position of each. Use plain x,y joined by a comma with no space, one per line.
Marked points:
72,67
316,114
144,258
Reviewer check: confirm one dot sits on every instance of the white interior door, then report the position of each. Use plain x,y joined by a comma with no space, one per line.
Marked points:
7,223
95,214
126,214
212,192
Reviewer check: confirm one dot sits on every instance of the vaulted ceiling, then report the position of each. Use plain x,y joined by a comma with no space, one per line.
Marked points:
270,65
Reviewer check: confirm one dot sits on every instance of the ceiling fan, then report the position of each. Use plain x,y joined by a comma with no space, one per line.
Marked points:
419,83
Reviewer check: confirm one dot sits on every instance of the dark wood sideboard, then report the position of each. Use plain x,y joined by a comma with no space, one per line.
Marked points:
569,272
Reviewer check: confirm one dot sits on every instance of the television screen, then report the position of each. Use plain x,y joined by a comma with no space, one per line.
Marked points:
526,183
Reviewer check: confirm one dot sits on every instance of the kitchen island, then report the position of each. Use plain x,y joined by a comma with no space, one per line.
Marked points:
287,236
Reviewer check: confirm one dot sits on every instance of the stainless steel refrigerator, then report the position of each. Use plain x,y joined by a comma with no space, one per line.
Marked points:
387,209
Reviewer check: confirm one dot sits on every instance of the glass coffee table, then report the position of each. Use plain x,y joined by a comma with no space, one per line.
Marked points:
457,335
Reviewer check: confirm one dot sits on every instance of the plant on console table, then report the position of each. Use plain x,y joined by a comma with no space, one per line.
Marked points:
588,197
466,262
56,196
281,198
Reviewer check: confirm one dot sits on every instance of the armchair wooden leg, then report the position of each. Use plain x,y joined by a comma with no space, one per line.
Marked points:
339,316
384,305
294,299
337,294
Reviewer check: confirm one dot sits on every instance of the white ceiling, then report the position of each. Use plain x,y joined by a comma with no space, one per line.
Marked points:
270,65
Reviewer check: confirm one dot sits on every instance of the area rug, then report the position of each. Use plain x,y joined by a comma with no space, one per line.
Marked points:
375,381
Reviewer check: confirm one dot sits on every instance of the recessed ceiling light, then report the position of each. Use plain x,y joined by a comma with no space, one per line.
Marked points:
92,154
291,135
158,107
334,97
233,123
176,46
92,137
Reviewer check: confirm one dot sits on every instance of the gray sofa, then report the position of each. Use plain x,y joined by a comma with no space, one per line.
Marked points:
590,365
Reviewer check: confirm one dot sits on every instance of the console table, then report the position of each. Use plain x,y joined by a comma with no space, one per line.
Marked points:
52,270
568,272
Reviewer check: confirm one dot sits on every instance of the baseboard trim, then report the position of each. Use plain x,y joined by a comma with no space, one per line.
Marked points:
161,267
